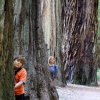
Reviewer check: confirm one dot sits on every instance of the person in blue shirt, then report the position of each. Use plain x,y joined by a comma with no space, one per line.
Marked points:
53,68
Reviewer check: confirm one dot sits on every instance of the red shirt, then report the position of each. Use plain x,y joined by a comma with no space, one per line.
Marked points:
20,76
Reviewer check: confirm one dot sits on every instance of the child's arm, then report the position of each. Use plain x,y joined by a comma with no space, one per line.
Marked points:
18,84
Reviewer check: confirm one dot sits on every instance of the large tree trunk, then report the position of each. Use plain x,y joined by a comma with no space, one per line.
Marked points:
51,23
6,50
29,41
80,31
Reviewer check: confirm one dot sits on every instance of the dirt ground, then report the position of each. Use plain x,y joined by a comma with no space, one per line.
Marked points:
78,92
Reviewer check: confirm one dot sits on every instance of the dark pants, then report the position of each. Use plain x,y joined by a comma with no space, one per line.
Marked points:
19,97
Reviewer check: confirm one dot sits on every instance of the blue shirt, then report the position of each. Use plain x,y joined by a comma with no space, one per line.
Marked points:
53,71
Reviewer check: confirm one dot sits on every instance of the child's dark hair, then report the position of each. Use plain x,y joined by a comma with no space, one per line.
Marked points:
21,58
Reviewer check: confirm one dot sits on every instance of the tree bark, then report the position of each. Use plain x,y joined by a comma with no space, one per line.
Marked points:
80,35
29,41
6,50
52,30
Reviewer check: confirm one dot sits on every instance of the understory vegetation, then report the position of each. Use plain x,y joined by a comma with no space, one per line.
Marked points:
98,74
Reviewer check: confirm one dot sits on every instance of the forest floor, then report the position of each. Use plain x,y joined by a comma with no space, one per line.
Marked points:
79,92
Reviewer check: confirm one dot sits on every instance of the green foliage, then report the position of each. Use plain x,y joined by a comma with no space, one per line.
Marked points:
99,19
98,38
98,74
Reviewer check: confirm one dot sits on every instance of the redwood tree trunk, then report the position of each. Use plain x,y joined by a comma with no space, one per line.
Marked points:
29,41
80,31
6,50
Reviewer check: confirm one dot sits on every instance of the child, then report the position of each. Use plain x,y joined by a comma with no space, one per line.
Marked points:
20,77
53,68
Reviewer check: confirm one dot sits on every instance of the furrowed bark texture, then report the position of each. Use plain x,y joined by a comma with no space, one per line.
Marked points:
6,50
29,41
80,31
52,30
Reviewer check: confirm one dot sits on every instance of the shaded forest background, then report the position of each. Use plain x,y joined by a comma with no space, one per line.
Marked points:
40,28
98,42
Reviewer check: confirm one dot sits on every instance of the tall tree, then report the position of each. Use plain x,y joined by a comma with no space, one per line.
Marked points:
29,41
52,30
80,34
6,50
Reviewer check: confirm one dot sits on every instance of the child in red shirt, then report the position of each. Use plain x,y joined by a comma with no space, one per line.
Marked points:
20,77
